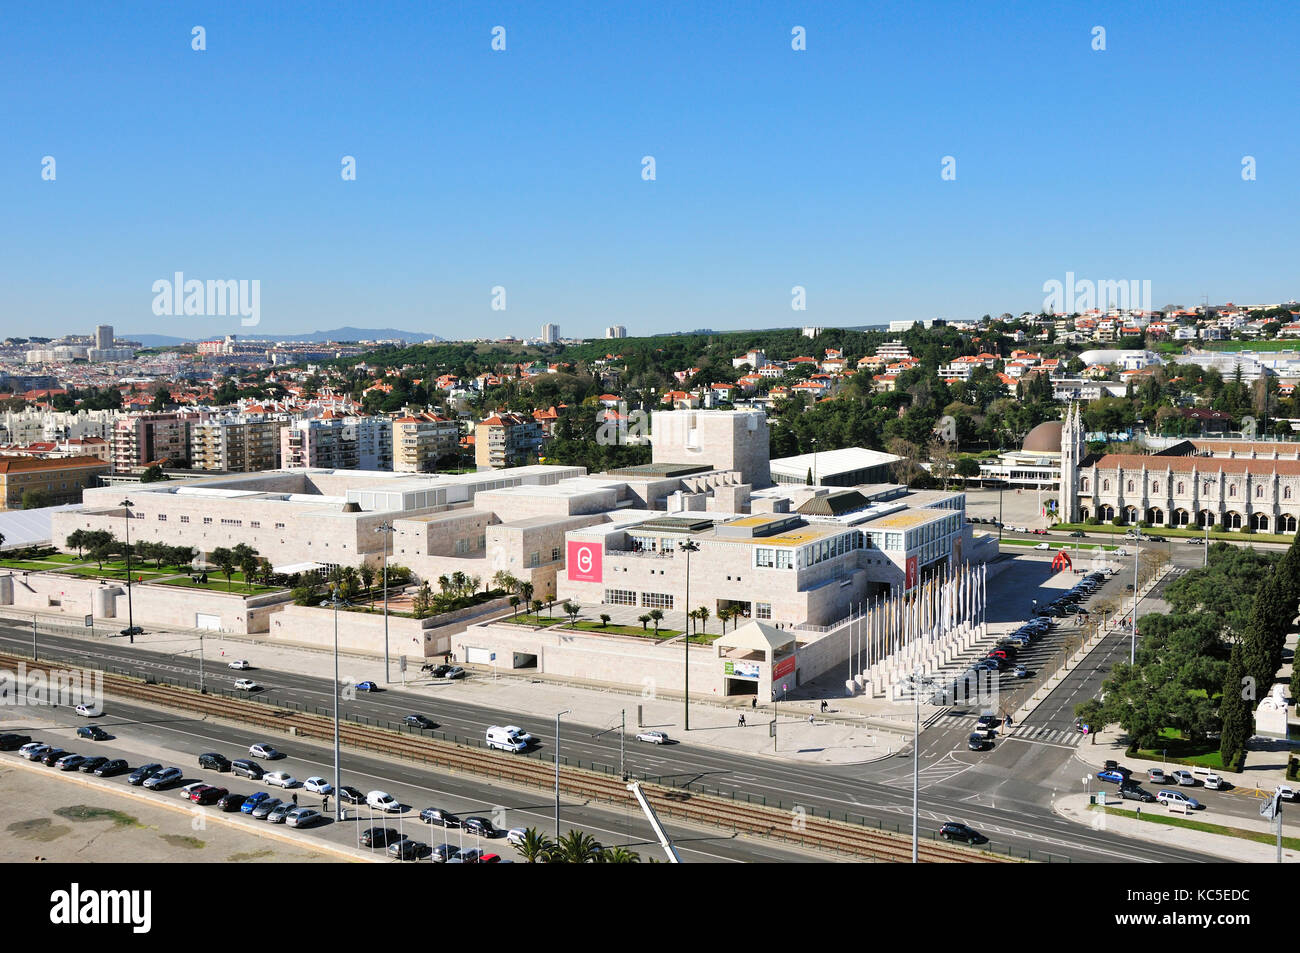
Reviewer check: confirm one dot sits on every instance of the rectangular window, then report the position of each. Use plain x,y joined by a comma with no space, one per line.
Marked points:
534,560
279,526
656,600
162,517
620,597
555,554
784,558
255,524
207,520
185,519
764,557
763,610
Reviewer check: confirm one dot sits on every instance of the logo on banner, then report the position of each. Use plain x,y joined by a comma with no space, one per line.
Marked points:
584,562
911,573
783,667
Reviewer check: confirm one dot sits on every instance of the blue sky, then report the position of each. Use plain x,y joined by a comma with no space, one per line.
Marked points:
522,168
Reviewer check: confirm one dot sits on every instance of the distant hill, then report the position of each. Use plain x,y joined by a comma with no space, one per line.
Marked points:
338,334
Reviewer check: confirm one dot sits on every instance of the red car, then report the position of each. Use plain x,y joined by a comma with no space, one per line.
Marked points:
997,653
209,795
490,859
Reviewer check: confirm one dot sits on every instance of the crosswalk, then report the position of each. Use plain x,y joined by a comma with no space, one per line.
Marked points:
1063,737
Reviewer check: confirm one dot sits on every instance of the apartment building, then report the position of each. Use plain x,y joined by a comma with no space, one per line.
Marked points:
506,440
236,444
141,440
51,482
423,442
333,441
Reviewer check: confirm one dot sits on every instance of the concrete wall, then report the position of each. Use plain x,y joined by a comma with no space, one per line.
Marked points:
364,632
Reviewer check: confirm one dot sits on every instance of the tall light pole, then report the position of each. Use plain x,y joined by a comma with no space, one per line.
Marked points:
130,614
557,771
918,680
335,602
387,530
688,546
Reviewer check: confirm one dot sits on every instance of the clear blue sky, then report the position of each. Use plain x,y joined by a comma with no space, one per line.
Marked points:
523,169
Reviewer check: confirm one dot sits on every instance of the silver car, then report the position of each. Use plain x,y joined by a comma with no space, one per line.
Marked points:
279,813
164,778
303,817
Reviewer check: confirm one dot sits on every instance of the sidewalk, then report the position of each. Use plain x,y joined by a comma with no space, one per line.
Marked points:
1074,807
843,735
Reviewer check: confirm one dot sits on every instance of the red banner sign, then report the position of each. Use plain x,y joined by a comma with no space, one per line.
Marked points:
783,667
584,562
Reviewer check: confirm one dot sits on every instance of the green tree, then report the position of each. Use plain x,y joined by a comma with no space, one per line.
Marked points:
1235,709
76,540
656,616
535,847
644,620
367,574
571,609
576,847
224,560
604,619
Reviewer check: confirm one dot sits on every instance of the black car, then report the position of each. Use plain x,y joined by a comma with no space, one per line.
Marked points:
243,768
988,721
90,765
440,671
379,837
954,831
53,755
350,795
480,826
231,803
143,773
111,767
1134,793
13,742
214,762
93,732
419,721
977,742
436,815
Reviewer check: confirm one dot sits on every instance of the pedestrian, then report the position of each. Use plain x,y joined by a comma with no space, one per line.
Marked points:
753,702
812,719
295,800
325,803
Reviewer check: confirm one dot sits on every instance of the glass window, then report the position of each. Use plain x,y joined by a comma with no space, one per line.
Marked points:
763,610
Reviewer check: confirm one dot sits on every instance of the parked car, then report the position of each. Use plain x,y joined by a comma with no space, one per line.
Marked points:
239,665
1111,777
187,793
442,853
1166,797
1134,793
1156,775
436,815
515,836
252,801
52,756
367,687
480,826
111,767
1213,782
454,672
262,809
419,721
303,817
467,855
214,762
89,711
404,849
243,768
652,737
33,750
351,795
164,778
952,830
247,685
1184,778
280,779
210,795
1285,792
90,765
317,786
12,742
70,762
377,837
92,732
231,802
264,750
383,801
439,671
277,814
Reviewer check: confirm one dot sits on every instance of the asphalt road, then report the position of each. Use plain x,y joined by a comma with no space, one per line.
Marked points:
1005,793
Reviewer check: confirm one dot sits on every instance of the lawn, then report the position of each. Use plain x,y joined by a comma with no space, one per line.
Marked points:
1278,345
526,618
1157,532
1261,837
111,571
1180,751
647,633
217,583
30,565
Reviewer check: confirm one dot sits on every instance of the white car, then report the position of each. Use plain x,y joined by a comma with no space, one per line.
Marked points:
280,779
239,665
1184,778
264,751
318,786
1285,792
89,711
515,836
1043,546
652,737
186,791
33,751
247,685
1213,782
383,801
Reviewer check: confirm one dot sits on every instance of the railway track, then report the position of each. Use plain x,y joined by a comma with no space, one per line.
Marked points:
792,827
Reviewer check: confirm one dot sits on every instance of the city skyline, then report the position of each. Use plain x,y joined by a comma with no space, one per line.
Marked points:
512,177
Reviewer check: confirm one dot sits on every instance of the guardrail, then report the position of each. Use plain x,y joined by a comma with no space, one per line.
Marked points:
686,800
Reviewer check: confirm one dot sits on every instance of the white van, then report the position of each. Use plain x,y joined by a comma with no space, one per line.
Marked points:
383,801
505,739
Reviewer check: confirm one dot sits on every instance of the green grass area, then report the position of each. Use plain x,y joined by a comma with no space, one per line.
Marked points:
646,633
1178,750
218,584
527,618
1279,345
70,559
29,565
114,572
1169,347
1157,532
1259,837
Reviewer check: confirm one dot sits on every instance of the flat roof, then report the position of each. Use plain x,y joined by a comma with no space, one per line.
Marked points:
907,518
661,470
830,462
676,524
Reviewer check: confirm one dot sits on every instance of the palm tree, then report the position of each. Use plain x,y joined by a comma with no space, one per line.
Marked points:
643,619
458,582
535,846
514,605
618,855
474,583
576,847
656,616
571,609
503,580
525,590
367,574
537,607
703,613
604,620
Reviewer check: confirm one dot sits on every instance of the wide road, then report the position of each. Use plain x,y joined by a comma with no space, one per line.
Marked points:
1005,794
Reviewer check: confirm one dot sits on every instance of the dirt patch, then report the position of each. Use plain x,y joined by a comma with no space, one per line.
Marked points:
183,840
40,829
248,855
83,812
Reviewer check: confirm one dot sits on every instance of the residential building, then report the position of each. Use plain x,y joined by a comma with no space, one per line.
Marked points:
236,443
424,442
550,333
616,331
141,440
47,482
506,440
331,441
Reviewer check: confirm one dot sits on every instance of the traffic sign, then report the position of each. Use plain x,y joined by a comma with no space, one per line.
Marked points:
90,621
1270,808
401,663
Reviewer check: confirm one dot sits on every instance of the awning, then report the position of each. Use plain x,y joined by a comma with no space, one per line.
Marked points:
292,568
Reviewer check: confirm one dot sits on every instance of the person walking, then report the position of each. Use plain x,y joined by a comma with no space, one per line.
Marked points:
295,799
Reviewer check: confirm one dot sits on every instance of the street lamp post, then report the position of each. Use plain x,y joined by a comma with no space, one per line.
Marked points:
387,530
130,614
688,546
334,601
557,771
918,680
